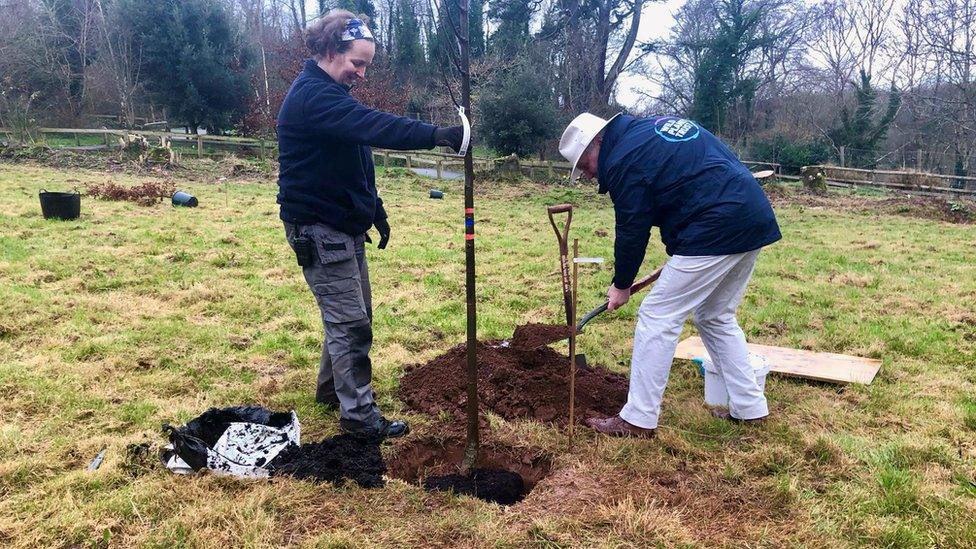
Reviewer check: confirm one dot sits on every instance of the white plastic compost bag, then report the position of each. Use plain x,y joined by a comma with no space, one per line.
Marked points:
239,441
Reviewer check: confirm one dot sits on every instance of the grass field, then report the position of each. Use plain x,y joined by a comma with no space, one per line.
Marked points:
133,316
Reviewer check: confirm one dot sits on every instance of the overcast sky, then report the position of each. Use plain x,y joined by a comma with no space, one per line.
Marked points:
656,20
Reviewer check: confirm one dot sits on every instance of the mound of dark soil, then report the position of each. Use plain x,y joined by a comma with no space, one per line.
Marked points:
906,205
334,459
939,209
495,485
513,383
530,336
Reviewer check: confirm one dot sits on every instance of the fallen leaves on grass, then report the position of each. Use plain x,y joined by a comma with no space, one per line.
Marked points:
145,194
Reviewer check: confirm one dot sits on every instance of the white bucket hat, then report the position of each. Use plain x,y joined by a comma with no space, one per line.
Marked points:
578,135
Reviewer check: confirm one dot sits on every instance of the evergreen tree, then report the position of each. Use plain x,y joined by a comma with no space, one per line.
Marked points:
518,111
408,55
440,39
513,18
194,59
476,28
359,7
720,79
858,132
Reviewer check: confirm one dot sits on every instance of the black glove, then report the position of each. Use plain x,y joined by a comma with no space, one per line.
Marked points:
382,227
449,137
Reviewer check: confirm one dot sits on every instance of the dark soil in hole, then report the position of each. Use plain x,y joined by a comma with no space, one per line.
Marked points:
502,474
513,383
334,459
530,336
497,486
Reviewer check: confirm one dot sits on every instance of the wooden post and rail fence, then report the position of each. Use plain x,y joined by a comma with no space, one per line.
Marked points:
196,142
443,163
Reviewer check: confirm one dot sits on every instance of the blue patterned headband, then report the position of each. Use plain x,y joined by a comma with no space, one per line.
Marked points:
356,29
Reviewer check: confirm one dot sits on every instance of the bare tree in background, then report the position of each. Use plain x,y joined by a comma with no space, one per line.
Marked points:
942,34
848,36
723,58
27,82
590,44
833,51
122,60
69,39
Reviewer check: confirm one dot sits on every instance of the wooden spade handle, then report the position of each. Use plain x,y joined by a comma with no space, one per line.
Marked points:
634,288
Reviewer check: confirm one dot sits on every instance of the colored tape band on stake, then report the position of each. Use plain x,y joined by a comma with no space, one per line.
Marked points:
469,236
587,260
469,222
469,210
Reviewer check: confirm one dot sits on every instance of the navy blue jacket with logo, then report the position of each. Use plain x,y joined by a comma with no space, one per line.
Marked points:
671,173
326,172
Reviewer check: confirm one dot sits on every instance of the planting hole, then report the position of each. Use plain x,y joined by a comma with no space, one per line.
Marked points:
501,475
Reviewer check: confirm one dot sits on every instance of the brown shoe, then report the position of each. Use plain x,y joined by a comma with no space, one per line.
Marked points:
754,421
722,413
616,426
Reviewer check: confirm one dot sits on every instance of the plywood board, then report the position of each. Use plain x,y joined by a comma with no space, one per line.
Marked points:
830,367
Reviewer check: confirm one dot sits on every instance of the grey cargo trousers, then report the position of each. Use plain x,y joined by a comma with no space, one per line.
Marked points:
340,282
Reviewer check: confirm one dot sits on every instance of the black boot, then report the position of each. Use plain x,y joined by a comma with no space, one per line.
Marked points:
383,428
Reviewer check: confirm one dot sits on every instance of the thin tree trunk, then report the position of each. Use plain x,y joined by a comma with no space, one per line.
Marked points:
473,442
618,64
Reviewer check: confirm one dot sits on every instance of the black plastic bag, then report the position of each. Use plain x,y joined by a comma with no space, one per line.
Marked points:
238,441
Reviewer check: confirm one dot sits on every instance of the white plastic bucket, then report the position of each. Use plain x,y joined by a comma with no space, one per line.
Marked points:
716,393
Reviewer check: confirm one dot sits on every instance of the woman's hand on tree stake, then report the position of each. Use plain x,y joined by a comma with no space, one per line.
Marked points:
449,137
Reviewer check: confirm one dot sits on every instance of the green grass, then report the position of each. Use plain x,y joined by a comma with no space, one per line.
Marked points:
134,316
69,140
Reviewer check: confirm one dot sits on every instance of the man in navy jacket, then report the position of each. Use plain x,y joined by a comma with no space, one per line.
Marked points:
671,173
327,192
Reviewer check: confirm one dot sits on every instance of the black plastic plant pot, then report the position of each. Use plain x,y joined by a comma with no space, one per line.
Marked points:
58,205
185,199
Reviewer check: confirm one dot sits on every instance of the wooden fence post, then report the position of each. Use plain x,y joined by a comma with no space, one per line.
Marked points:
843,156
261,144
408,160
199,145
440,169
386,160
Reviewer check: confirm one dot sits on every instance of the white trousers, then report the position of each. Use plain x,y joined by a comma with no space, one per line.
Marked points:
710,288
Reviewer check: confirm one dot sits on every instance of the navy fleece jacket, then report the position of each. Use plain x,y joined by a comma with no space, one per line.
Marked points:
326,172
671,173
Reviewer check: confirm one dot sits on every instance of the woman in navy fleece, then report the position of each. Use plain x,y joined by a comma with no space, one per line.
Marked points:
328,198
